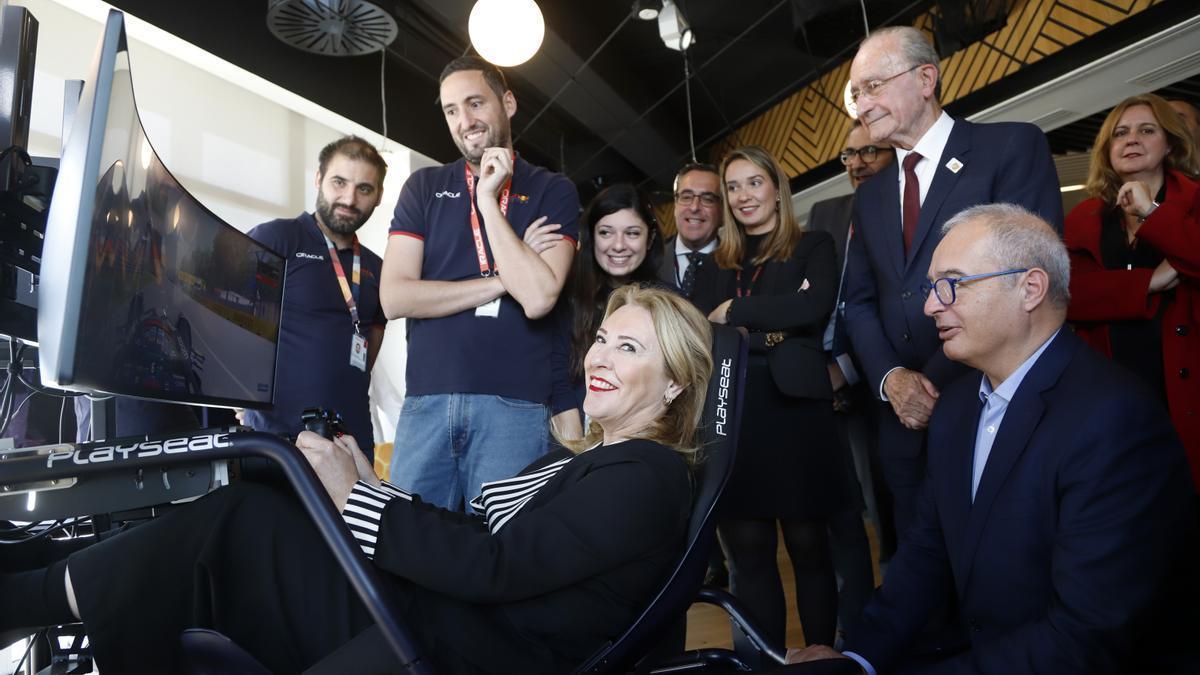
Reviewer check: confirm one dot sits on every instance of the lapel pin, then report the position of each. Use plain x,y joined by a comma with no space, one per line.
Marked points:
954,165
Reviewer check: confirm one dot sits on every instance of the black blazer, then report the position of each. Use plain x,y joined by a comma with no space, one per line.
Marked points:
571,570
777,304
667,273
666,264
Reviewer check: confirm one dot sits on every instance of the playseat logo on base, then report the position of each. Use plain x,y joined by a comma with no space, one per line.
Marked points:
723,395
107,453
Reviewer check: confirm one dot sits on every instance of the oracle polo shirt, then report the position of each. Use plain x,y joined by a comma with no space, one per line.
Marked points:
508,355
313,367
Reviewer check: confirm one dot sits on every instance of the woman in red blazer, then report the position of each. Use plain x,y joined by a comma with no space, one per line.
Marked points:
1135,256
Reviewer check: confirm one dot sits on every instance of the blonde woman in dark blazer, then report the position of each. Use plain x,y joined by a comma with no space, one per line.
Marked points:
780,283
532,586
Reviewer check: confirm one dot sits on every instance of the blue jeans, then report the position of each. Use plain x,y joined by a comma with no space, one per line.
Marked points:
447,445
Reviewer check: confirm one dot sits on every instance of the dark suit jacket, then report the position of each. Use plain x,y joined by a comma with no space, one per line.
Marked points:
777,304
1005,162
666,266
568,572
833,216
1060,562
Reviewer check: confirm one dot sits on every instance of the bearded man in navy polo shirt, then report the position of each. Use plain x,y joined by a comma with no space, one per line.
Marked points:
332,323
476,297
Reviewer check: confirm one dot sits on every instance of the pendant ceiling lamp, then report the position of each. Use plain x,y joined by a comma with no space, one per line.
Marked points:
506,32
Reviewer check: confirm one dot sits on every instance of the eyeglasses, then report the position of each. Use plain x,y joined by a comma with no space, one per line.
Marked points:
872,88
867,153
687,198
944,288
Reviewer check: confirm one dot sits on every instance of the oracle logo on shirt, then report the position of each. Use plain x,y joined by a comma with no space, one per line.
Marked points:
310,256
446,194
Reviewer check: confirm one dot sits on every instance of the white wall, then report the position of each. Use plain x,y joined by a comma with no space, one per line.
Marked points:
246,148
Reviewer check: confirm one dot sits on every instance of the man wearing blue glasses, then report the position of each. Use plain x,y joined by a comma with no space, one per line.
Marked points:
942,166
1056,512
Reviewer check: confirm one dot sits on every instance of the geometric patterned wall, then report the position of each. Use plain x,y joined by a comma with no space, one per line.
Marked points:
806,129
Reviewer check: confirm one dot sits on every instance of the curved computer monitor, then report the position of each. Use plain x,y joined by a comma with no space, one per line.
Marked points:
145,292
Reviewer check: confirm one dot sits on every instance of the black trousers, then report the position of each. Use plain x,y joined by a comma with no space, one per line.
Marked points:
244,560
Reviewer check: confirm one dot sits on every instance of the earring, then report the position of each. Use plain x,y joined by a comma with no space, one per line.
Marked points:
667,401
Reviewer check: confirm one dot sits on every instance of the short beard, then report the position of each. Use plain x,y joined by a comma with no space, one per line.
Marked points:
496,138
339,224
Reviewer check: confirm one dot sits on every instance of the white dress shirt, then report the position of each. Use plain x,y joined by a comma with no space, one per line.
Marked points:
995,404
930,146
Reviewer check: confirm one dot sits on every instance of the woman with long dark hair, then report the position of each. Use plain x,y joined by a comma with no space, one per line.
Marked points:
619,243
780,283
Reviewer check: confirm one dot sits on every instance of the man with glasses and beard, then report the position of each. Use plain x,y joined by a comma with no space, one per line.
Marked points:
332,322
478,254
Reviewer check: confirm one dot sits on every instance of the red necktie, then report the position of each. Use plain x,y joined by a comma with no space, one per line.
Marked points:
912,199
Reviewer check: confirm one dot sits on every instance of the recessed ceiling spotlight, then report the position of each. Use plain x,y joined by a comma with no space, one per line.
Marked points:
647,10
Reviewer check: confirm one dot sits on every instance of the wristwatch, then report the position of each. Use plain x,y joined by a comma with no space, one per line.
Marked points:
1153,205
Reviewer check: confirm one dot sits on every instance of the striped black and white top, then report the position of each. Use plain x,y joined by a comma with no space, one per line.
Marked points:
497,502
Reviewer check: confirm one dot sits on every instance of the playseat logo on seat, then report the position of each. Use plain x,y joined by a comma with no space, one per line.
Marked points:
107,453
723,395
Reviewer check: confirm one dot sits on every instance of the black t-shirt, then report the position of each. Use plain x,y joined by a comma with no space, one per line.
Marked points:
507,355
313,367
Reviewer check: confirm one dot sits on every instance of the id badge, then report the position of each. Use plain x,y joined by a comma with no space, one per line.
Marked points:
489,309
358,352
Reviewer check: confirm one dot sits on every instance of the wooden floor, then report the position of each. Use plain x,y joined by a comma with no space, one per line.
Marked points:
708,626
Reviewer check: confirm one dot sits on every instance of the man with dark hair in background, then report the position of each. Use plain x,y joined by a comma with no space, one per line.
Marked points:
698,212
698,216
853,399
476,297
332,323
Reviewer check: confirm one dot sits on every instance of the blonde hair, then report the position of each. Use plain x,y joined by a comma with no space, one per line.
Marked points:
1103,181
685,339
781,241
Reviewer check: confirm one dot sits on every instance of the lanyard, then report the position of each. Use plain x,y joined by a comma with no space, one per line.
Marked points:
753,279
485,268
350,295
